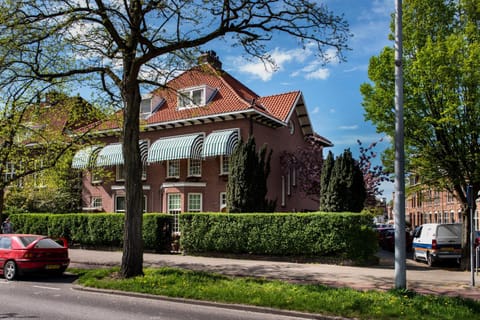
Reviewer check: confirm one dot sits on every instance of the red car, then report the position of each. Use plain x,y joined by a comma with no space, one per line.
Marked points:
22,253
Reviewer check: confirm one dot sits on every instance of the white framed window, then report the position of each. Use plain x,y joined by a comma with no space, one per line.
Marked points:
173,168
119,173
96,176
9,173
194,202
194,167
145,202
224,164
223,201
194,97
146,105
97,202
174,201
120,204
39,175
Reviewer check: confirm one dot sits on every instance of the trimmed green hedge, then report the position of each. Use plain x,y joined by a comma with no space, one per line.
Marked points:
310,235
96,230
343,235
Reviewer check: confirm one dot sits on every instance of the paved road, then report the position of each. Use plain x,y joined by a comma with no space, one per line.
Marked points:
445,281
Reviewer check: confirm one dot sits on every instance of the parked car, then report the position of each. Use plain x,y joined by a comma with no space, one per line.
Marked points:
22,253
387,239
477,238
433,242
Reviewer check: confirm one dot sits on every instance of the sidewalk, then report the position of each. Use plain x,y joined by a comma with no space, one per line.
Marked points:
420,278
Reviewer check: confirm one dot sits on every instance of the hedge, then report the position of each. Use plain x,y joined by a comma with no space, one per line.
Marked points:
339,235
342,235
96,230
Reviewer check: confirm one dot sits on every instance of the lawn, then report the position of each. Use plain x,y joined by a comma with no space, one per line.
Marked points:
320,299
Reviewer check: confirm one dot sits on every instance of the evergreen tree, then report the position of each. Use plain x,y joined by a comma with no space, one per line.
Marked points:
326,176
344,185
247,181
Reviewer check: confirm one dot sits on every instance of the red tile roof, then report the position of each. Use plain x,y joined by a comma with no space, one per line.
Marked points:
231,97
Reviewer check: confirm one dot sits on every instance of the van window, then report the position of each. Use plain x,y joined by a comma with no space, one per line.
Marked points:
449,230
417,232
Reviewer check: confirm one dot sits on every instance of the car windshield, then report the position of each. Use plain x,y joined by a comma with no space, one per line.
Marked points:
26,240
43,243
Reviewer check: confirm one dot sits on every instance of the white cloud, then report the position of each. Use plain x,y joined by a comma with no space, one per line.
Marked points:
265,70
319,74
316,110
352,127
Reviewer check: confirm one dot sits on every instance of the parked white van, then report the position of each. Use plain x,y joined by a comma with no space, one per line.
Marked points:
433,242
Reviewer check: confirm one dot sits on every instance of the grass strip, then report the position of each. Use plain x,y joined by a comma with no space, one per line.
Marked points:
345,302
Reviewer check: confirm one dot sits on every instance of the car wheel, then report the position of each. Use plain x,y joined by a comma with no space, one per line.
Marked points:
10,270
429,260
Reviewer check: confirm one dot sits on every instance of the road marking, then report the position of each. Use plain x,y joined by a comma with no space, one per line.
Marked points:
48,288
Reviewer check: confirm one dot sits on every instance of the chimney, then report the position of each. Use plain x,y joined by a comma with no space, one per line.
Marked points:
210,57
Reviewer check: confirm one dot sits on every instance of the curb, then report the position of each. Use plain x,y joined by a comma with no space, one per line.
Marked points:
223,305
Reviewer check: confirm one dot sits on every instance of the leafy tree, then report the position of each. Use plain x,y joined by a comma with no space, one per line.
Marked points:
441,62
307,163
373,175
119,46
345,190
35,135
247,180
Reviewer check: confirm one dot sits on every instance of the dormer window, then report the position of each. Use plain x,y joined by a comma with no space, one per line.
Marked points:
146,105
150,104
195,97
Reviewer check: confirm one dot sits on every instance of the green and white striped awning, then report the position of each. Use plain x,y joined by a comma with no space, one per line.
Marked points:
84,157
111,155
176,147
219,143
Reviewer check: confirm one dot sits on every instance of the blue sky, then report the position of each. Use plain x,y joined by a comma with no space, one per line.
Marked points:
332,91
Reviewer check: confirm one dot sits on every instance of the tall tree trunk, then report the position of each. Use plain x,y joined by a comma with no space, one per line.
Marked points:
132,259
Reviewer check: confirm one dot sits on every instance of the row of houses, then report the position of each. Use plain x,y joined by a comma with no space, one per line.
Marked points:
430,205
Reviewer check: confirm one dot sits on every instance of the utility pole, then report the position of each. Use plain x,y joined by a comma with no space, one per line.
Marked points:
399,207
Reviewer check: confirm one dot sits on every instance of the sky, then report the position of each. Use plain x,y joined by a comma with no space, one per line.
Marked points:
331,92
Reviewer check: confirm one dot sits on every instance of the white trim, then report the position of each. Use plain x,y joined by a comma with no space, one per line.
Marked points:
183,184
119,187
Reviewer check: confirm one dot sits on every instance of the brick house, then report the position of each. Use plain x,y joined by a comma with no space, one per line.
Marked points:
430,205
189,129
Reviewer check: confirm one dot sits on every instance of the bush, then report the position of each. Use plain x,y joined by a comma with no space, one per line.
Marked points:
96,230
343,235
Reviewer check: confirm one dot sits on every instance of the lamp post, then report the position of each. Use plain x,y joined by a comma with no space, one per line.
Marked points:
399,208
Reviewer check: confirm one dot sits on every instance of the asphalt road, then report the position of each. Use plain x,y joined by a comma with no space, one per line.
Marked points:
50,298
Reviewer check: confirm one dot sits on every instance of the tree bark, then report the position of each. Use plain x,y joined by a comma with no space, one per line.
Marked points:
132,259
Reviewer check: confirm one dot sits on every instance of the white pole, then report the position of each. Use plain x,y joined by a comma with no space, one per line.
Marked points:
399,201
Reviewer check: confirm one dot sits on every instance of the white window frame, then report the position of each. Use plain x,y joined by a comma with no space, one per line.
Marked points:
143,106
39,175
194,167
172,164
117,198
195,197
187,99
95,176
224,165
145,203
223,201
174,207
9,173
97,202
119,173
